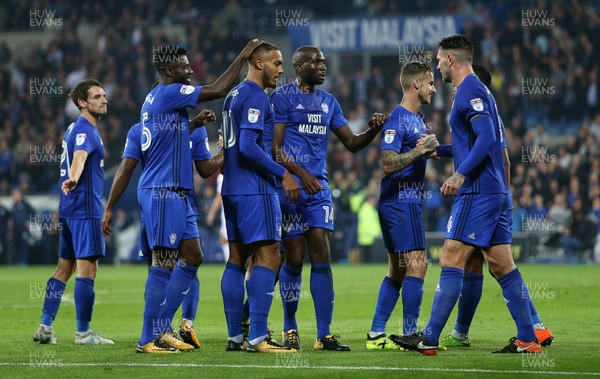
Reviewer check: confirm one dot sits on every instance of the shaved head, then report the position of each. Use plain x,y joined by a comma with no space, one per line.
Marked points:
304,54
261,51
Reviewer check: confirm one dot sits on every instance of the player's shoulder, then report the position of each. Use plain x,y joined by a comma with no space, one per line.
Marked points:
199,134
135,129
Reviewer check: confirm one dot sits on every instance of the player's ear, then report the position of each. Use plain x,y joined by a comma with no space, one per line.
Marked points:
81,103
416,84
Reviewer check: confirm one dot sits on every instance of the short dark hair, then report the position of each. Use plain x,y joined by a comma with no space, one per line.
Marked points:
167,56
483,74
264,47
81,90
411,71
457,42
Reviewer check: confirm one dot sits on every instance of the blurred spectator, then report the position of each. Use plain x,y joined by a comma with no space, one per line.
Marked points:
580,237
21,216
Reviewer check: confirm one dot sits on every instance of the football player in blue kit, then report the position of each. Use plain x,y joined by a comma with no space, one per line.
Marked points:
304,115
80,212
480,216
165,181
470,295
402,193
251,203
206,165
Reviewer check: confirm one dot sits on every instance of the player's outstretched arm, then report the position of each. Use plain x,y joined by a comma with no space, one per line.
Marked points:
221,87
79,158
355,142
120,182
393,162
310,184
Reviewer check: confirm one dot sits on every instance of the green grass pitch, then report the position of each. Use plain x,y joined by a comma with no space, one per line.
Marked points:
567,297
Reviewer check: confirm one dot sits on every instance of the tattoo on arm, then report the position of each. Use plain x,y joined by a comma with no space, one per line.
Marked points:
394,162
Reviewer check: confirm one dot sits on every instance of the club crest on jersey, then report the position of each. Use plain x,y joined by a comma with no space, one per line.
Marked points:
325,107
80,139
477,104
172,238
253,115
186,90
389,136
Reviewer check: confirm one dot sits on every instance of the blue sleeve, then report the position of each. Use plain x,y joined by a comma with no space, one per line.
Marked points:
252,152
179,96
391,139
502,134
337,119
132,143
484,130
254,111
85,139
445,151
199,145
281,107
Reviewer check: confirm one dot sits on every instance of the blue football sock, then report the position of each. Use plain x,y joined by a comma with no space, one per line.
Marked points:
84,302
178,287
54,291
261,290
246,308
446,295
321,289
517,299
470,295
412,297
290,281
189,305
232,290
535,317
389,292
156,287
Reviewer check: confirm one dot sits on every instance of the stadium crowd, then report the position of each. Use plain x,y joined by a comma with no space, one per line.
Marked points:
545,80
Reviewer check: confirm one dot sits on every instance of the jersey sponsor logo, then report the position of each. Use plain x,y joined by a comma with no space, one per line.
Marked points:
253,115
325,107
173,238
80,139
388,136
477,104
312,129
186,90
299,106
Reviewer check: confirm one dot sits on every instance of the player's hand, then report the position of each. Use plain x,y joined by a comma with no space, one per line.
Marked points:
429,143
377,120
291,188
68,186
249,49
107,222
431,154
220,141
204,117
452,185
310,184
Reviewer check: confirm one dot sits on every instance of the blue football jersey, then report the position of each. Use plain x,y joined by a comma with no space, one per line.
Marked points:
199,145
85,201
200,150
472,100
246,106
133,148
308,118
165,137
400,133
